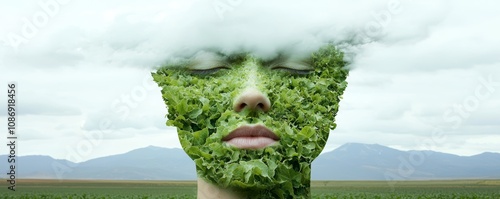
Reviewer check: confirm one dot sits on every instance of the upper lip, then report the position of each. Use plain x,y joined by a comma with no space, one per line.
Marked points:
251,131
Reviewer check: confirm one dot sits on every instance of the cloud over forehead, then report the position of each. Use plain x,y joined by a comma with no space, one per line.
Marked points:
147,33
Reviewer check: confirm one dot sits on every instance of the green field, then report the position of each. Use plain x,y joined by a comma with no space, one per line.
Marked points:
187,189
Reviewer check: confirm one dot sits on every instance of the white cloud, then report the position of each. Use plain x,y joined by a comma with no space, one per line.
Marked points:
145,34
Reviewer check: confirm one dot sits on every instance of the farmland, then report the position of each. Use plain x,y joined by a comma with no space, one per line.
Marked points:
187,189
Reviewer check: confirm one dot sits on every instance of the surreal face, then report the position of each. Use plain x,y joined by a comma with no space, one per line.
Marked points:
254,124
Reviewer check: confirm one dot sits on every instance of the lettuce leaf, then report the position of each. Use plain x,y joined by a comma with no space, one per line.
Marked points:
302,115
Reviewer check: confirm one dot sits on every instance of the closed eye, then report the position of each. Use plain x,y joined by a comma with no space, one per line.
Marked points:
294,71
208,71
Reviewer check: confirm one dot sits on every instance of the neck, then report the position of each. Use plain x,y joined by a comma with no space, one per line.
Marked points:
207,190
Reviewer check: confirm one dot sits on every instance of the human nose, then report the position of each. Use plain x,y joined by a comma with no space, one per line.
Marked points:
253,100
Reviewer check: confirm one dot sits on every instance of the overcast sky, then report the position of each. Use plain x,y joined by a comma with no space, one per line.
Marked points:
425,74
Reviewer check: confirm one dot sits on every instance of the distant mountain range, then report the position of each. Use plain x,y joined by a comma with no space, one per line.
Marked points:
351,161
376,162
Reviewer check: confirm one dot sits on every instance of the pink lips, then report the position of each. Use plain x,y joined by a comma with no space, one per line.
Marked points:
251,137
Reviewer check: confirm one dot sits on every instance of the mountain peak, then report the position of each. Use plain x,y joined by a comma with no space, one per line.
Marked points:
154,147
361,147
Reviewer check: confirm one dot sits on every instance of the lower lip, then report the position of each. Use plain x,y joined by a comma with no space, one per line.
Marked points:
251,142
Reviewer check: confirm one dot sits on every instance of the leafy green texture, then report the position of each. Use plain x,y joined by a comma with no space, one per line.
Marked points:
303,109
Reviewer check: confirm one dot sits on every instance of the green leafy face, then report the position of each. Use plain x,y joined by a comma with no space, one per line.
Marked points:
304,98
